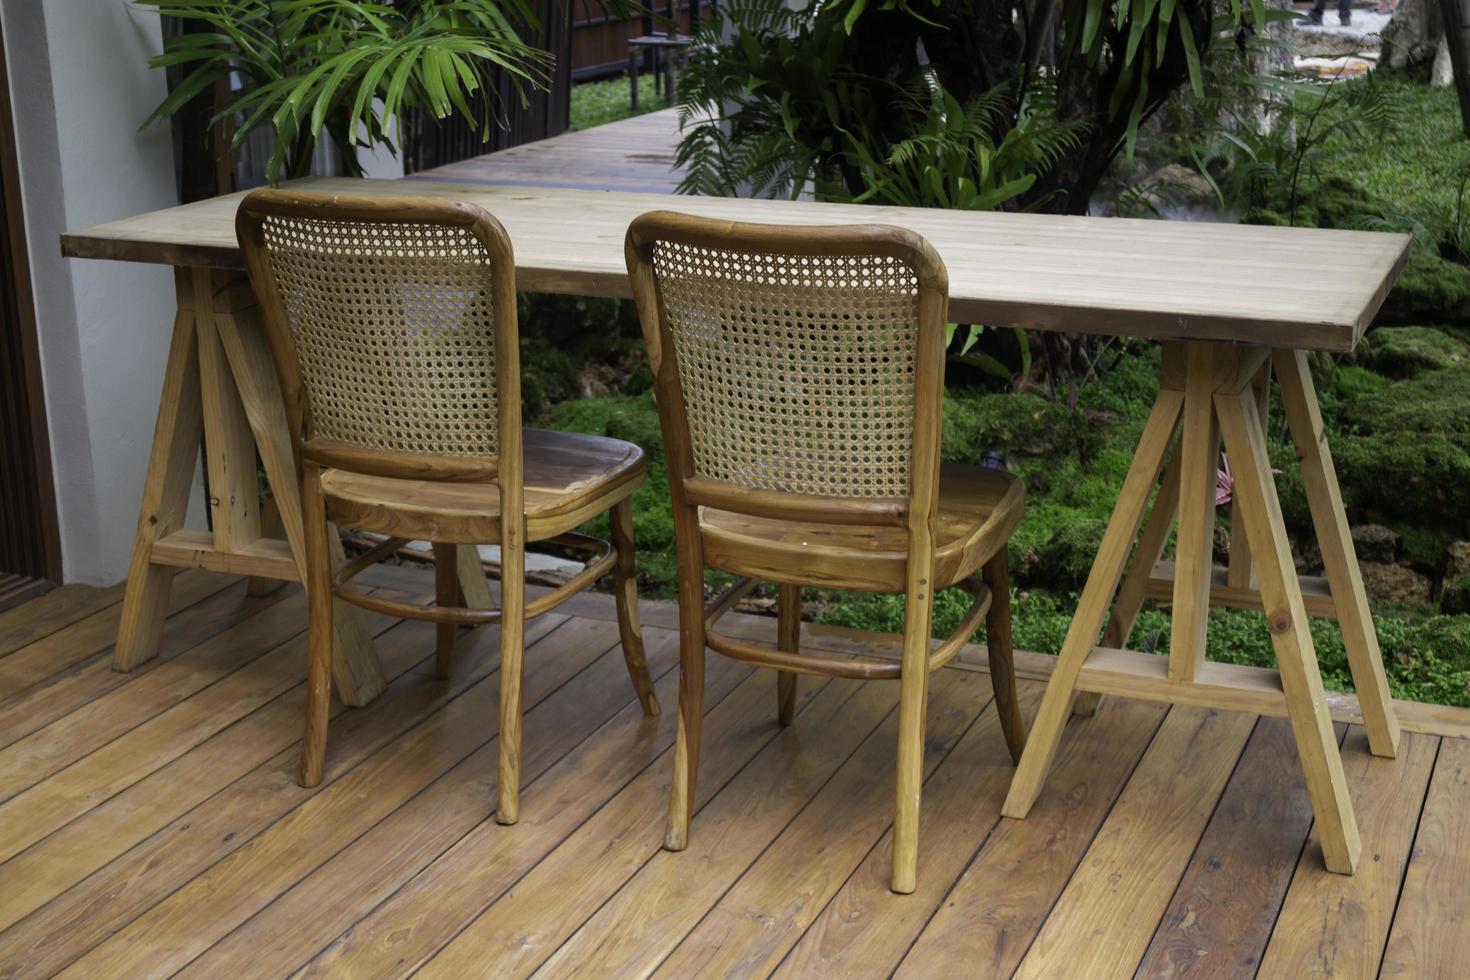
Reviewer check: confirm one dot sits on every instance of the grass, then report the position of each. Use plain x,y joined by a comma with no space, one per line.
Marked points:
596,103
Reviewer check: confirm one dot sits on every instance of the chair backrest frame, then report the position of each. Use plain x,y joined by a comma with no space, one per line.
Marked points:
691,489
504,468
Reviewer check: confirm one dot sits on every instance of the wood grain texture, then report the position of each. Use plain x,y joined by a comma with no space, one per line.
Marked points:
987,921
405,931
841,918
217,863
637,927
191,842
1129,277
1128,874
1225,907
1337,925
1431,927
587,725
57,609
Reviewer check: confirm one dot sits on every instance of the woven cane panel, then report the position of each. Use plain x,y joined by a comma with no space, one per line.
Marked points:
797,371
394,328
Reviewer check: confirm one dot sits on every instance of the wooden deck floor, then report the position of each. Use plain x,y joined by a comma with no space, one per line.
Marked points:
635,154
151,823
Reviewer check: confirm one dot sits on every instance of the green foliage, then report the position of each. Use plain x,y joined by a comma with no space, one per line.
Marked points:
309,64
948,106
1354,381
598,103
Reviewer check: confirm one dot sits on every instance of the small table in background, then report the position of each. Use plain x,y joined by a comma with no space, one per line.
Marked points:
669,53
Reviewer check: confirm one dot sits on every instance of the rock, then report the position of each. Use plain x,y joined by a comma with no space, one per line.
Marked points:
1395,583
1374,542
1307,556
1406,352
1455,598
1175,190
1442,73
1409,39
1222,544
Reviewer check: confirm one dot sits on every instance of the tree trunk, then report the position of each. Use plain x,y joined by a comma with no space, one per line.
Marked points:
1410,39
1457,35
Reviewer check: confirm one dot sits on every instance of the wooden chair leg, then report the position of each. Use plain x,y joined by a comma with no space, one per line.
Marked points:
691,678
1339,558
474,585
997,576
320,628
913,698
512,667
1286,616
625,591
788,638
1097,595
446,593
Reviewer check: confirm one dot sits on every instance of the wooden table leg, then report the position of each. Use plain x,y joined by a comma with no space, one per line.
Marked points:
1339,558
221,382
1286,616
472,579
1240,573
1092,609
1199,452
166,491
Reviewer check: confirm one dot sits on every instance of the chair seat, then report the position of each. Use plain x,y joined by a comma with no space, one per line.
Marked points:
569,479
978,510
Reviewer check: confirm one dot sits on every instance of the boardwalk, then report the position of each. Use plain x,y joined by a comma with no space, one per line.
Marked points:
150,824
634,154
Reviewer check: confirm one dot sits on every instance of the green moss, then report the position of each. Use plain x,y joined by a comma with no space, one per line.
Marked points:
1433,402
1431,289
1425,546
1406,352
1354,382
1017,424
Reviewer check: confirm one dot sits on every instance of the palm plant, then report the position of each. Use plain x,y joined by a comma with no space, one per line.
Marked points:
346,68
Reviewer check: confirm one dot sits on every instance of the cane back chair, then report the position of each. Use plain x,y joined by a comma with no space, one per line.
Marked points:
392,323
799,374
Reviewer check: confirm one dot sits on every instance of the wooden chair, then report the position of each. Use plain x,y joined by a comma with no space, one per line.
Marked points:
799,374
392,323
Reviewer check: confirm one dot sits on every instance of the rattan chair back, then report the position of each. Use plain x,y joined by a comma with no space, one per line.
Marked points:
795,361
393,323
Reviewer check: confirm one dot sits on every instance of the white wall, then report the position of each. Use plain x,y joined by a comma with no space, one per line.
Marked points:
80,87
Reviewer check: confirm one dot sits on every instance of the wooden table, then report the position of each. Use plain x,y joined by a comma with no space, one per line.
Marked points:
1232,304
670,48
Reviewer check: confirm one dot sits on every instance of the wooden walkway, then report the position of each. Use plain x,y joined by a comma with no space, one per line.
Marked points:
150,824
635,154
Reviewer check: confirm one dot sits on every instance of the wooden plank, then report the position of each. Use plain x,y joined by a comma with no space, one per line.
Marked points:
1102,922
50,866
44,615
196,549
1311,288
776,796
332,898
1431,926
986,922
34,663
1337,925
842,844
1226,905
229,446
182,926
597,853
59,695
188,844
1316,594
82,759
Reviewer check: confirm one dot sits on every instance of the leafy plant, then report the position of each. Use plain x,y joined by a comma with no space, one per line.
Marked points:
346,67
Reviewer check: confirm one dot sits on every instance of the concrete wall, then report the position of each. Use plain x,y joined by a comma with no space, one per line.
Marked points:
80,87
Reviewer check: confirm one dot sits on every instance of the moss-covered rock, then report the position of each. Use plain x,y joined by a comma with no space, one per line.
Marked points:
1405,352
1431,289
1354,381
1017,424
1432,402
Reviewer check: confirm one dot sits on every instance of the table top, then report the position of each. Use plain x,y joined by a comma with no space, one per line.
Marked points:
1304,288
